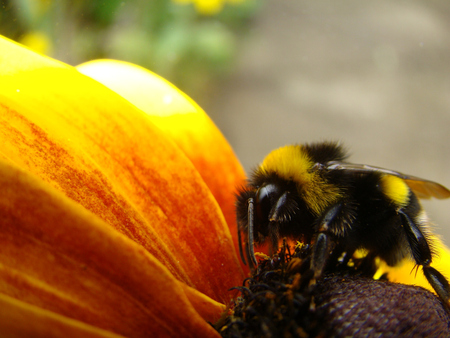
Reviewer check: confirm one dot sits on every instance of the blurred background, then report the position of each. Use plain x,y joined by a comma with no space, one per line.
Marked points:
192,43
373,74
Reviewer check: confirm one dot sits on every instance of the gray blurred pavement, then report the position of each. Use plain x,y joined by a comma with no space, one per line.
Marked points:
373,74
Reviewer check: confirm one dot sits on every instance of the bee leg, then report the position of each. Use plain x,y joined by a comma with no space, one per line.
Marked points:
422,255
320,254
438,282
322,243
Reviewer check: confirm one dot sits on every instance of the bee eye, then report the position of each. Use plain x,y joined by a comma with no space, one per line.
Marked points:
265,197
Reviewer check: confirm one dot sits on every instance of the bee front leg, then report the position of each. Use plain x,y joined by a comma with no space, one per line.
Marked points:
422,255
322,243
321,252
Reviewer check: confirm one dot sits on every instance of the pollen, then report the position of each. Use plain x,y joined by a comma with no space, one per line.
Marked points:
395,189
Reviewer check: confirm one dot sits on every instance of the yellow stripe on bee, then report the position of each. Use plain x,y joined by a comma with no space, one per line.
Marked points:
289,162
395,189
292,163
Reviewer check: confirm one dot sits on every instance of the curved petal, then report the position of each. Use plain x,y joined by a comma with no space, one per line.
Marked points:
61,258
103,153
181,119
206,307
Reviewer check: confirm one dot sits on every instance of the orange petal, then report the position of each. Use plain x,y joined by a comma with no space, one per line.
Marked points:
206,307
103,153
181,119
42,323
60,257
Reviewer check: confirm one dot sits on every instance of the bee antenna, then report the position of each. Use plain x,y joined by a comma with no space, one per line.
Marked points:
250,239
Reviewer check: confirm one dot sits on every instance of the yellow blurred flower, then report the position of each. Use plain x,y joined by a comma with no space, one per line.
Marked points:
208,7
38,42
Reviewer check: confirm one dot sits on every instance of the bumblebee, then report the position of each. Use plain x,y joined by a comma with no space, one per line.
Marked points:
310,193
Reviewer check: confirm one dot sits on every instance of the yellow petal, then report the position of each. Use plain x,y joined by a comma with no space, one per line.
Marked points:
181,119
406,273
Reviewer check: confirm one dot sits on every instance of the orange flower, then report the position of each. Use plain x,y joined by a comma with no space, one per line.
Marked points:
116,203
107,226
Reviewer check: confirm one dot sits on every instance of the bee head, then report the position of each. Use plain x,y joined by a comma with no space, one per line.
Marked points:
283,196
263,211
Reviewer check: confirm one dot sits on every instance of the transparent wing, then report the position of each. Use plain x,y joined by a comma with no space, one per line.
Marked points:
421,187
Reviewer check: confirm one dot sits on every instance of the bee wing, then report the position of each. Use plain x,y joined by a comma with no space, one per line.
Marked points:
427,189
421,187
